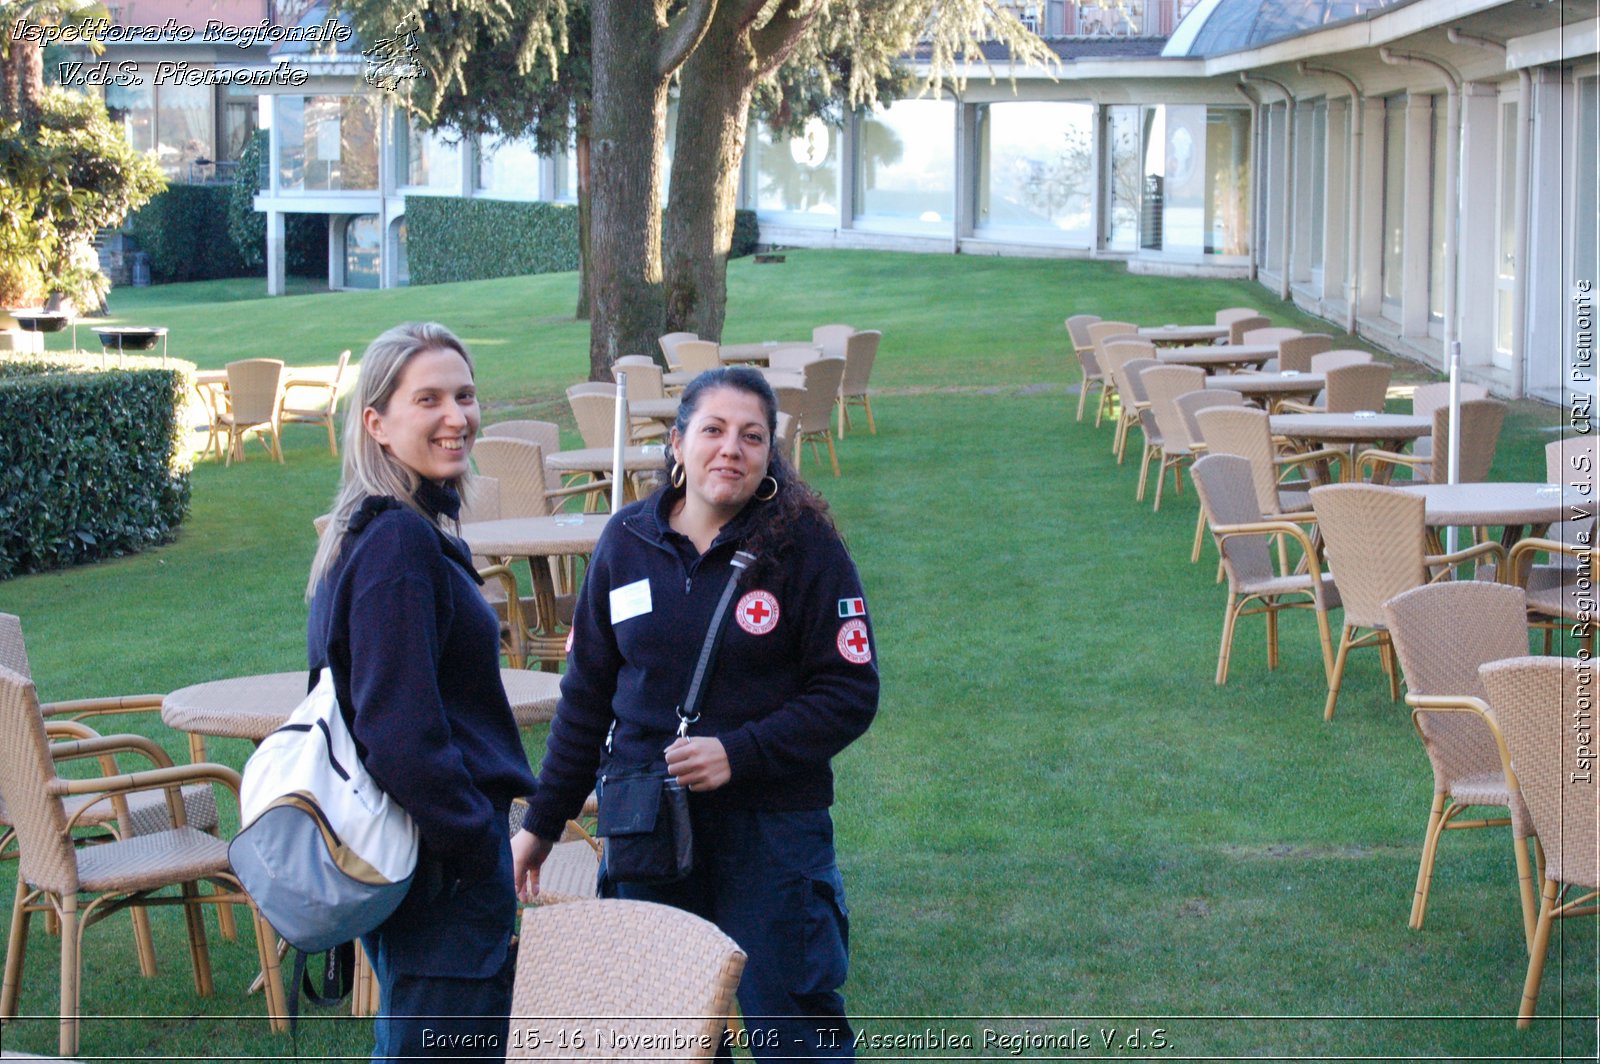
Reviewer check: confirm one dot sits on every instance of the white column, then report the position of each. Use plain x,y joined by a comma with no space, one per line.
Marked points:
1415,242
1479,223
275,250
1370,267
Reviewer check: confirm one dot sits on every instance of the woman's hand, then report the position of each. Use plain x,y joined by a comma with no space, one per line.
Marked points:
528,852
700,764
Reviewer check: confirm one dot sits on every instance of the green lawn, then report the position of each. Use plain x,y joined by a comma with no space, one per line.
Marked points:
1057,822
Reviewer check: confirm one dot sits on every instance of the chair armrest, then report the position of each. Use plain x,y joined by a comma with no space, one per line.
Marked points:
1471,706
1524,550
1376,457
1450,561
1321,454
68,729
1281,527
1297,407
97,745
78,708
171,780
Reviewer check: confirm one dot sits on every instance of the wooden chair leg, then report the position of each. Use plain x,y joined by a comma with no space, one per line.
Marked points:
833,456
1272,638
1083,395
1541,944
1430,844
16,951
272,978
333,444
144,945
70,997
1338,673
1199,537
872,425
1525,893
1230,617
199,956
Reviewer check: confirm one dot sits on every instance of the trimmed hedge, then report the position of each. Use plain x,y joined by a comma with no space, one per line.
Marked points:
450,239
184,230
89,462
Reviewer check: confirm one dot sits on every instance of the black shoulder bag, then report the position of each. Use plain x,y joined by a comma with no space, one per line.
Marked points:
644,812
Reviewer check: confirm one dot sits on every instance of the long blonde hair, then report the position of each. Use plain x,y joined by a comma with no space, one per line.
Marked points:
369,469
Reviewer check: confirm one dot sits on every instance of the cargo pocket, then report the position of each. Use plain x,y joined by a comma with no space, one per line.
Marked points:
826,934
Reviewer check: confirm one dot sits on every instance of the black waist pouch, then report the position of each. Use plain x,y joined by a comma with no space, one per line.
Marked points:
644,819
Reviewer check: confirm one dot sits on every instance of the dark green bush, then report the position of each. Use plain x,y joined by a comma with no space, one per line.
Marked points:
449,239
89,463
184,230
746,234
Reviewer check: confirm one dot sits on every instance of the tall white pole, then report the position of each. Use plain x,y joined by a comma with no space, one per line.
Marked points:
619,440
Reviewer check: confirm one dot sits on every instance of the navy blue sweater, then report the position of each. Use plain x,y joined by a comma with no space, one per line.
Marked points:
414,650
795,681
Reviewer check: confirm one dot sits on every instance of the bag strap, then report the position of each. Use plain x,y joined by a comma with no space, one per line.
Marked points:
689,711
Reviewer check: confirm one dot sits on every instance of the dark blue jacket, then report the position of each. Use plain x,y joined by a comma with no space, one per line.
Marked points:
414,650
795,681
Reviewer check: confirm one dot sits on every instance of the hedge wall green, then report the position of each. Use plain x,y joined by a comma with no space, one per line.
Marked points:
89,463
450,239
184,230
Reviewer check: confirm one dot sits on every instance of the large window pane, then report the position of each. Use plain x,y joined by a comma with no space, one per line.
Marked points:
1186,174
184,125
907,163
798,174
135,107
1152,205
361,251
508,169
1037,169
1227,197
1122,145
328,143
429,160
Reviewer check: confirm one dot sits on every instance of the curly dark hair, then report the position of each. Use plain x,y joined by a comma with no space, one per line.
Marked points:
795,512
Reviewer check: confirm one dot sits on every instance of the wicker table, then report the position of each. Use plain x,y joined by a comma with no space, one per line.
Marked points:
537,538
762,352
1180,335
662,410
253,707
1518,508
1270,389
1387,432
1213,357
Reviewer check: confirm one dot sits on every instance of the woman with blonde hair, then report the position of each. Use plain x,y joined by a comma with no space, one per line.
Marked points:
414,649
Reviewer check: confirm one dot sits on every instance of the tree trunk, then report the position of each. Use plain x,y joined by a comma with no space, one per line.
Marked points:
627,131
713,116
24,79
581,146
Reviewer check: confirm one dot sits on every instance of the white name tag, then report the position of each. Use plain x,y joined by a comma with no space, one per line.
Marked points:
630,600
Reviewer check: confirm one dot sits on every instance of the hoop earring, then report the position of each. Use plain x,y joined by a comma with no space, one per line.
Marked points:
677,475
769,496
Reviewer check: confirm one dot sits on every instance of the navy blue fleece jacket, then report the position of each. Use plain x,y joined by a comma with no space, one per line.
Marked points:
414,650
795,681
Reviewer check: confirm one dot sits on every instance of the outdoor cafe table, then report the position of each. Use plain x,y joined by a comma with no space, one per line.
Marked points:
559,536
598,461
253,707
1270,389
761,352
1516,507
662,410
1214,357
1387,432
1179,335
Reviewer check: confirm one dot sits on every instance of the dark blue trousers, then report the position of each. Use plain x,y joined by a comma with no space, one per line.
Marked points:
769,881
445,969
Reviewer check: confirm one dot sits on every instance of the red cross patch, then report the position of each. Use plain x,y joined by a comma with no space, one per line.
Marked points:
757,612
853,642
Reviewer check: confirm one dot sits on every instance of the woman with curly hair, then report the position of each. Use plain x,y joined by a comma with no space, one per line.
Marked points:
794,682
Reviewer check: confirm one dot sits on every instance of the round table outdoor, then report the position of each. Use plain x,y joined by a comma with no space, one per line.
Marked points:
1178,335
761,352
535,538
1387,432
253,707
598,459
1516,507
1268,389
1214,357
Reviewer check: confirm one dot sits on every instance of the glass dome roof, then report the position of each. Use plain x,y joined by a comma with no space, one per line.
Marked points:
1214,27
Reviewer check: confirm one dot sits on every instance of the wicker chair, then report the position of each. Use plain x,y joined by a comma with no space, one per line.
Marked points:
814,412
1358,386
860,352
1296,352
1246,431
1189,404
1531,699
294,409
1099,333
1323,361
832,339
669,346
697,356
1242,535
255,390
1560,595
1113,356
1239,326
1269,335
670,978
1427,398
1374,540
1481,420
1083,348
1229,315
54,873
1162,386
1439,657
594,408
